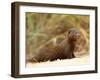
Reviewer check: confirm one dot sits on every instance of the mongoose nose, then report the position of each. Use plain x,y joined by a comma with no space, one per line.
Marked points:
78,35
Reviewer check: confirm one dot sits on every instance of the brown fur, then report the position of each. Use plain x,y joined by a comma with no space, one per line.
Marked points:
64,50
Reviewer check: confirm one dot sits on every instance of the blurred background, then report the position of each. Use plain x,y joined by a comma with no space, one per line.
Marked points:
46,29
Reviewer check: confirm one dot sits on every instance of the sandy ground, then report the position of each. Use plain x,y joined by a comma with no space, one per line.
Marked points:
65,62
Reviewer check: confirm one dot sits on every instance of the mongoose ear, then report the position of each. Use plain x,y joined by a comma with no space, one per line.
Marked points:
69,30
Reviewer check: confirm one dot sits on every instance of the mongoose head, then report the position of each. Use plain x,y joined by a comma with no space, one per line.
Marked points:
73,34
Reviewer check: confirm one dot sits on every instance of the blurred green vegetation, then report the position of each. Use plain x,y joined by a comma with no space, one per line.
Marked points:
46,28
